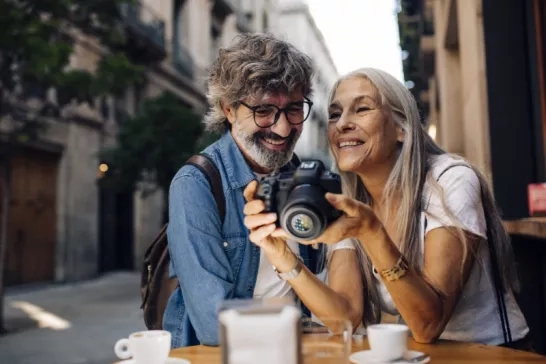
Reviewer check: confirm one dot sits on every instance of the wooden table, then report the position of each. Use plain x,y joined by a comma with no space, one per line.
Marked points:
442,352
533,226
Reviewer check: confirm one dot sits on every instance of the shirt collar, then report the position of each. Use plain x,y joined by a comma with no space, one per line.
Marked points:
237,169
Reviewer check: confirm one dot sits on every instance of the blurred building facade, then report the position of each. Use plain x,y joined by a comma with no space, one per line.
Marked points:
478,70
63,225
296,25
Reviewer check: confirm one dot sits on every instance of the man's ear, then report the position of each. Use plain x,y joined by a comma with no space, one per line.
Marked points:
229,112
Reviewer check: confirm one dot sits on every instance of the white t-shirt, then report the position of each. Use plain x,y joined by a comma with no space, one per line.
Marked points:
268,284
476,317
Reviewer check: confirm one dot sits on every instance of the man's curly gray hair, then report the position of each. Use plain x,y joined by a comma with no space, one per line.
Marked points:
254,65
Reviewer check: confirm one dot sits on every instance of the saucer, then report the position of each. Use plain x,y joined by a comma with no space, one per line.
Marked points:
366,356
169,361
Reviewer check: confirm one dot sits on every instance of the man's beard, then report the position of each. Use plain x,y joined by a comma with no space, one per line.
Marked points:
260,154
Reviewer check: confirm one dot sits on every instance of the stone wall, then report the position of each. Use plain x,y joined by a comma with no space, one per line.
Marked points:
77,205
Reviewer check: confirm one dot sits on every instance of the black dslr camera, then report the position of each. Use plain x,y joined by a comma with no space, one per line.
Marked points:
298,199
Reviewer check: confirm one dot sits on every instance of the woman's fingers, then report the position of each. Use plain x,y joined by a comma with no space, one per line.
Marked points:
344,203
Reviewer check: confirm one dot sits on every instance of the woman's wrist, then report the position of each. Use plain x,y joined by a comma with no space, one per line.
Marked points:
380,248
371,228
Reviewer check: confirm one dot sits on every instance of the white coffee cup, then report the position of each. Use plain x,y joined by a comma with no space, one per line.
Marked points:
145,347
388,341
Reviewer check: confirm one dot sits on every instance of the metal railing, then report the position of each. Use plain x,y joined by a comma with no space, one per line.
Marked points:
183,61
145,22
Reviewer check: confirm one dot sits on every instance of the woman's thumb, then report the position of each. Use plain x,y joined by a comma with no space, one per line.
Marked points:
342,203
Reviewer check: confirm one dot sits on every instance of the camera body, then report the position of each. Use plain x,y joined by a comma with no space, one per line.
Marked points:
298,199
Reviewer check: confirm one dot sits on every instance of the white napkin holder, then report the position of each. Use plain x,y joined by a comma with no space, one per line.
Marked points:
261,334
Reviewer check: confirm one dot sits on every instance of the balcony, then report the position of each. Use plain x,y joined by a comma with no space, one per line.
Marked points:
183,61
145,31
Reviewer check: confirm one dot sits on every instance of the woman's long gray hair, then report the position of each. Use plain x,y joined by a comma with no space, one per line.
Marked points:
406,183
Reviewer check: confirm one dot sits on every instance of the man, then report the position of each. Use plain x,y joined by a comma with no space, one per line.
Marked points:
259,92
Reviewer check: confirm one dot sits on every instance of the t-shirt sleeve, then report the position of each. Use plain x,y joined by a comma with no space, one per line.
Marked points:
344,244
462,198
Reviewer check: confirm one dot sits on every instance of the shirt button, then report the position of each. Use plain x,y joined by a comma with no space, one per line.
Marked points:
225,244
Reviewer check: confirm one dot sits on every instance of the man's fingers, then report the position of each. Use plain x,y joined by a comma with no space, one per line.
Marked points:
280,233
255,221
254,207
250,191
346,204
261,233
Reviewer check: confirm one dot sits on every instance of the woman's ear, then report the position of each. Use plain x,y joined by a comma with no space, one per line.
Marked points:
400,134
229,112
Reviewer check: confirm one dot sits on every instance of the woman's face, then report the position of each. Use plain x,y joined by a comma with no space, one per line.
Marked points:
360,129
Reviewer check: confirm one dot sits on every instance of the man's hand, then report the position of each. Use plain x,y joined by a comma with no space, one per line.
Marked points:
261,226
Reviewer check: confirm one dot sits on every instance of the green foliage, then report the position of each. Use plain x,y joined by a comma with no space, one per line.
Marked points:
410,35
153,145
36,43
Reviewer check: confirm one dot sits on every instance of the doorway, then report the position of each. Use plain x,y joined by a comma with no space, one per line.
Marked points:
32,217
116,250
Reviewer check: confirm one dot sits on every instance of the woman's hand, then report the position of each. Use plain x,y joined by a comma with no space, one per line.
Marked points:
357,219
262,226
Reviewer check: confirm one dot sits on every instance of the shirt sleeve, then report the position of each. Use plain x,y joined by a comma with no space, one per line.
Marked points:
461,192
344,244
197,255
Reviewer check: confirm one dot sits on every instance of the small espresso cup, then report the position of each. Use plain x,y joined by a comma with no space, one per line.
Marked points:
145,347
387,341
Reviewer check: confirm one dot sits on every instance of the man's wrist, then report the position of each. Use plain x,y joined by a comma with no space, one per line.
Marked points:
286,263
293,272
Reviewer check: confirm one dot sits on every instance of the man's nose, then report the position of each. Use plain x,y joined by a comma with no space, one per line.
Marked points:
282,127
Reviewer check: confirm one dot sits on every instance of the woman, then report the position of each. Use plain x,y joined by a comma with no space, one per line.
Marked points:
424,220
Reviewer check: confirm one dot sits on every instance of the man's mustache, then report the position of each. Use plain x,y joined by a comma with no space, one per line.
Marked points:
274,136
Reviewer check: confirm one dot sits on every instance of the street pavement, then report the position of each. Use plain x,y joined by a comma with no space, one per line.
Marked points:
80,322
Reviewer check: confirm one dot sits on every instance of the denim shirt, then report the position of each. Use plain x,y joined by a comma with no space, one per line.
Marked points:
213,261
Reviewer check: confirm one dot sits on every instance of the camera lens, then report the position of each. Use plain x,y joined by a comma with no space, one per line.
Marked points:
302,222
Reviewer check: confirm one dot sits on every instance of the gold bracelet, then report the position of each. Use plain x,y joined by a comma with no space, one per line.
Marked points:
398,271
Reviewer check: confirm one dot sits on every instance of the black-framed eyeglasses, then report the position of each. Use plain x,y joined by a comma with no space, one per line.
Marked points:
267,115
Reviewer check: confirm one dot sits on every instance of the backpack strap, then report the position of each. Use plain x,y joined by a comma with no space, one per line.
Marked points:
205,164
495,269
156,257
